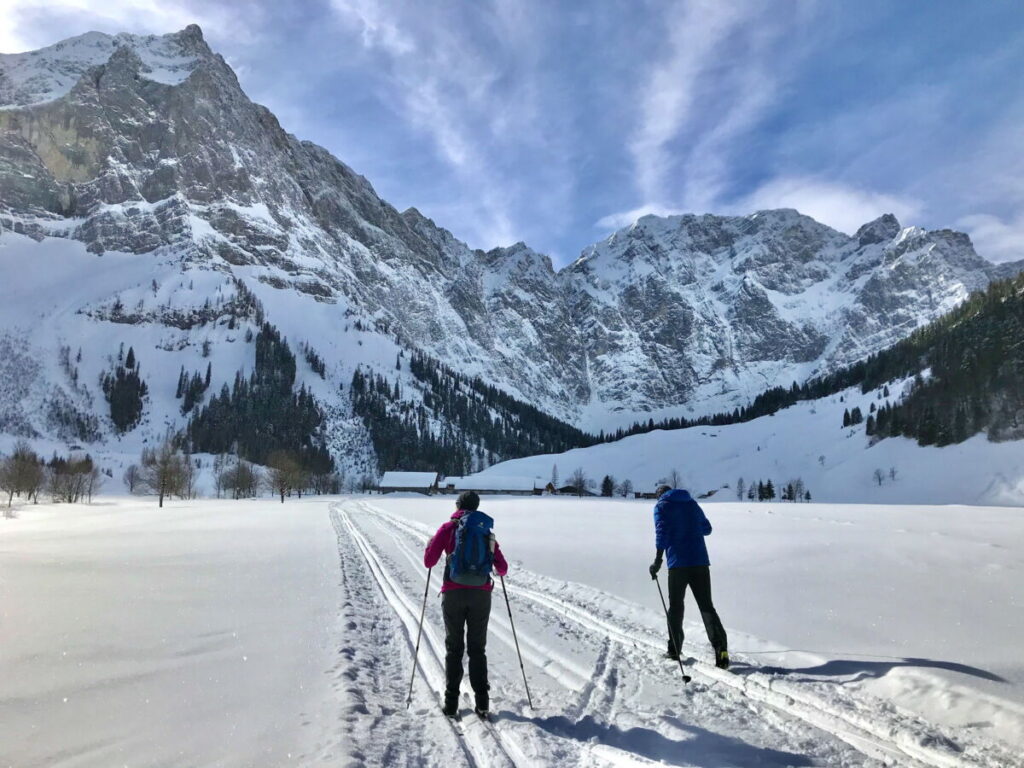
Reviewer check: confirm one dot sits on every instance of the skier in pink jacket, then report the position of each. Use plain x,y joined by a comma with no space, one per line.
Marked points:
466,611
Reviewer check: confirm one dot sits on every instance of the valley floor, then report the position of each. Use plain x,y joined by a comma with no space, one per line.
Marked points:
255,633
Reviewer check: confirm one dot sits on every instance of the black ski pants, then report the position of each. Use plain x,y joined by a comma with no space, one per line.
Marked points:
466,612
698,578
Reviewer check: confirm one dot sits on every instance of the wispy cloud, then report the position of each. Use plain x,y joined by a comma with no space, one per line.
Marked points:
840,206
450,81
697,30
722,72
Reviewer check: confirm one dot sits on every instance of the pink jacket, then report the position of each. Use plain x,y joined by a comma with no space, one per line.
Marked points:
443,542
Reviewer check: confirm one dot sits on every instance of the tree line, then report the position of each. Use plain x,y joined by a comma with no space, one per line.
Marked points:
264,413
461,424
66,479
125,391
793,490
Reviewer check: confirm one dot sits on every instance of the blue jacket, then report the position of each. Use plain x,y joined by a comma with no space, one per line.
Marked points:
680,528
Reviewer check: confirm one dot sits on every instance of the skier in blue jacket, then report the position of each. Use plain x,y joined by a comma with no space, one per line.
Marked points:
679,528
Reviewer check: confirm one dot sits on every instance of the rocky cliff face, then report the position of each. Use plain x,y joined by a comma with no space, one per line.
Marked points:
149,146
711,309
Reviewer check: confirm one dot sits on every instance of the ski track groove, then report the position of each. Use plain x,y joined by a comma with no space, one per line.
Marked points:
888,739
459,744
562,671
474,733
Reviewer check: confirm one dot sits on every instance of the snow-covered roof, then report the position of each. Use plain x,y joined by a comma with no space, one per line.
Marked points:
408,479
494,483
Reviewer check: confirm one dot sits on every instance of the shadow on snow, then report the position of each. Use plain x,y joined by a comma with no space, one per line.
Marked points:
704,748
861,669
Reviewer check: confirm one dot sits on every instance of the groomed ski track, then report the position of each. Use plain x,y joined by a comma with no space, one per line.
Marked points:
613,702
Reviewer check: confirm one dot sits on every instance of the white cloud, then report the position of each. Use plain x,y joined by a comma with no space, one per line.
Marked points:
622,219
995,239
30,24
841,206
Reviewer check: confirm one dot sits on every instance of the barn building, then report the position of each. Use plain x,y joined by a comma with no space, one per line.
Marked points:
409,482
510,485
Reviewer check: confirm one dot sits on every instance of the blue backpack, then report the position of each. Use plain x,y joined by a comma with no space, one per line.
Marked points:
470,562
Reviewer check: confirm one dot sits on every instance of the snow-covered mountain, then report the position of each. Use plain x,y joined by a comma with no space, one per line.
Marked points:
143,195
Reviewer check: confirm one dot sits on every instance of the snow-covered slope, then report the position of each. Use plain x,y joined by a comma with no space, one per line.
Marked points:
805,441
148,147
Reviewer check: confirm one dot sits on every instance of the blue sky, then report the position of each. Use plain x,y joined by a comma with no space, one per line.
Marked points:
556,122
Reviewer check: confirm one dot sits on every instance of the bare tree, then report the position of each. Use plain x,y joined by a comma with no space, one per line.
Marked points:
189,472
8,480
163,470
33,478
23,473
131,477
283,474
578,480
879,476
326,482
626,489
740,488
892,473
93,483
242,479
220,466
675,479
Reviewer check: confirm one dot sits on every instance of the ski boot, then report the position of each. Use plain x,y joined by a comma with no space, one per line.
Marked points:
482,706
451,707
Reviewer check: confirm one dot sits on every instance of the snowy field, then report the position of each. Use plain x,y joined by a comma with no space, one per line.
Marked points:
260,634
804,441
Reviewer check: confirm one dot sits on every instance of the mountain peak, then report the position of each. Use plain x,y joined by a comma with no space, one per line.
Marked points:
46,74
884,228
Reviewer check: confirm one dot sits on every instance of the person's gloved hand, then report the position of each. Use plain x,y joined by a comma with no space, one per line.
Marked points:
655,567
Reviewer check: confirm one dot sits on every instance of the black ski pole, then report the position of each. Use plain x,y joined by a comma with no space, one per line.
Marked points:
672,635
521,667
419,634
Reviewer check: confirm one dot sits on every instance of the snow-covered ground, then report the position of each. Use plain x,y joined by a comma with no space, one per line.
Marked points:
200,634
225,633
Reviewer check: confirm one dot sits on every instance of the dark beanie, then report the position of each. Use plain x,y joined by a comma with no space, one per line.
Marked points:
662,490
468,500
